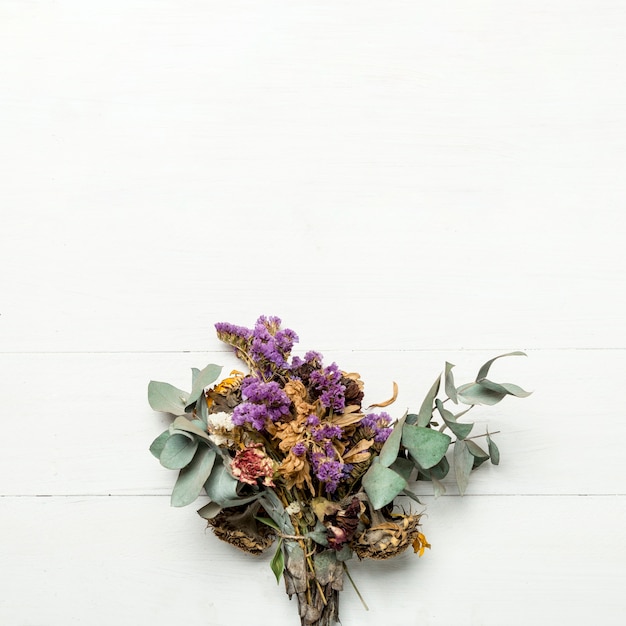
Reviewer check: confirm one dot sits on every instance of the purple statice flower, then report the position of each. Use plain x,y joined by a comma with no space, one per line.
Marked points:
312,420
311,358
327,382
299,449
262,401
328,469
378,424
270,345
231,330
328,431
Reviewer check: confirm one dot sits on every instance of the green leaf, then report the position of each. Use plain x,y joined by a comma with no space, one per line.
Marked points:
425,445
391,447
192,478
167,398
409,494
484,370
411,418
278,562
463,461
178,451
460,430
494,453
201,380
182,423
404,467
436,472
426,410
505,388
476,450
202,411
382,485
156,447
449,383
210,510
477,393
268,521
221,486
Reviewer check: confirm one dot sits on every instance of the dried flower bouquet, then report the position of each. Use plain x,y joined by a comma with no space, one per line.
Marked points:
287,454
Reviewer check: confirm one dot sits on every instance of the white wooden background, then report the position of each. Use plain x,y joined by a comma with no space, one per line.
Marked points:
403,182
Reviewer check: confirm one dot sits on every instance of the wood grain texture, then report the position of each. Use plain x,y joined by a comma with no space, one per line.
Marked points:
404,183
494,560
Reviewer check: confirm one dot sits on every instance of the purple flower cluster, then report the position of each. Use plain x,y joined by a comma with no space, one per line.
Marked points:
229,332
328,431
263,401
328,469
327,382
310,358
270,344
379,426
299,449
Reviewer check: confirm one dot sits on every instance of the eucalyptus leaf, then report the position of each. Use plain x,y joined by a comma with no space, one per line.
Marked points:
463,461
167,398
192,478
460,430
275,509
494,453
449,383
425,445
178,451
156,447
268,521
484,370
391,447
210,510
476,450
411,418
426,410
402,466
202,412
409,494
201,380
182,423
278,562
221,486
505,388
382,485
476,393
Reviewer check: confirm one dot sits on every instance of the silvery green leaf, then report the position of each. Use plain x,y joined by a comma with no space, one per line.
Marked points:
449,383
425,445
426,410
345,554
319,534
275,509
221,486
192,478
402,466
505,388
268,521
278,562
411,418
156,446
409,494
178,451
484,370
382,485
167,398
202,411
460,430
201,380
463,461
389,451
194,374
476,450
494,453
210,510
182,423
476,393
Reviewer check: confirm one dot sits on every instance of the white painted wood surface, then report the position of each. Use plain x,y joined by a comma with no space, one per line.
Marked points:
404,183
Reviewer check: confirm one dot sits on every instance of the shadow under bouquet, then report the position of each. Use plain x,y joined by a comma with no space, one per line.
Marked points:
288,455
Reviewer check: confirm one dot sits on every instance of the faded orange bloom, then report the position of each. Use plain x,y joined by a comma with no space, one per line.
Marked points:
296,472
420,544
